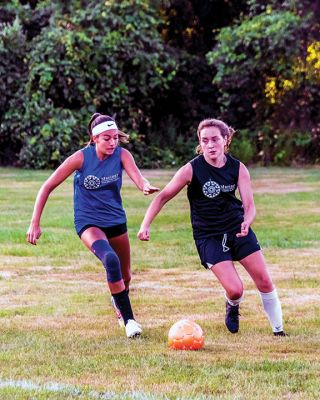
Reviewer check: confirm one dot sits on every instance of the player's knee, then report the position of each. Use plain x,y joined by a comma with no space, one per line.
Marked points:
109,259
112,266
265,285
235,292
263,282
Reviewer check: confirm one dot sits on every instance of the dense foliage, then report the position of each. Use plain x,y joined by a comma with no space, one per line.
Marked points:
267,69
159,67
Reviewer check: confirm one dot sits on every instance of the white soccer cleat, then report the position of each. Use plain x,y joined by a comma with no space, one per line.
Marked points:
133,329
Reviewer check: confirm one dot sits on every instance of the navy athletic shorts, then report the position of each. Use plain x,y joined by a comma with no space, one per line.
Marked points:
226,247
111,231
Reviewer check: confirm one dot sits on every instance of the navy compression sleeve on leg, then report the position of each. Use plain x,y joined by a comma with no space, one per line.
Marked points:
109,259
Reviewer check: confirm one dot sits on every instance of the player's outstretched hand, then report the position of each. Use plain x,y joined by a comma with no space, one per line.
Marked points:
244,229
149,189
144,234
33,234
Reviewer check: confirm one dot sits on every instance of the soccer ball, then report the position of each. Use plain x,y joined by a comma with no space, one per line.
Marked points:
185,335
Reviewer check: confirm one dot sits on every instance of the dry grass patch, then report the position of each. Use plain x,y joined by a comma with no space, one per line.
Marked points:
57,324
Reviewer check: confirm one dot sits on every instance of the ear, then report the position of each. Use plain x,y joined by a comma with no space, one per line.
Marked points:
226,143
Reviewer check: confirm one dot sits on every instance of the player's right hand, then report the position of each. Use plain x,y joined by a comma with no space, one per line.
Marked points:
33,234
144,233
244,229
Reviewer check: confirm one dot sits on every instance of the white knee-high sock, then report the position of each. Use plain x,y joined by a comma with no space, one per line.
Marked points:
234,302
272,307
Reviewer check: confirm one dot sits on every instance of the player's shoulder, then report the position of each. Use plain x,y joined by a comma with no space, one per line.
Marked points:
196,160
234,164
124,152
76,158
186,168
87,149
184,173
232,159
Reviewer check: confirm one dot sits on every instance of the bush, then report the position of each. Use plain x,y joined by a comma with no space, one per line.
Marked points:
13,74
107,58
243,146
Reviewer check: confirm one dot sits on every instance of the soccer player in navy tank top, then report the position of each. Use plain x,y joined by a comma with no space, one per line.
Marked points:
99,217
221,222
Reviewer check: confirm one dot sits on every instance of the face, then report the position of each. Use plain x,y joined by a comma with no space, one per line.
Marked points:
212,143
106,142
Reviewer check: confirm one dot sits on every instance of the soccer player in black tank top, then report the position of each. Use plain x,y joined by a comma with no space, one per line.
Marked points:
221,222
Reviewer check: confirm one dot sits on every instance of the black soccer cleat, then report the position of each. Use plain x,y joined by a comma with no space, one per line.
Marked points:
281,333
232,317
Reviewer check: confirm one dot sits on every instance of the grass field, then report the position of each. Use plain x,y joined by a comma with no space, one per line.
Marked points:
58,335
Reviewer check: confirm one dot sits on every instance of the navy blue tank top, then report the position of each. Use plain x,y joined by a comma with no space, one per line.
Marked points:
97,188
214,207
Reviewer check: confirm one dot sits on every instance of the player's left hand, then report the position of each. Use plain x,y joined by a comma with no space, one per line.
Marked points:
244,229
144,233
34,233
149,189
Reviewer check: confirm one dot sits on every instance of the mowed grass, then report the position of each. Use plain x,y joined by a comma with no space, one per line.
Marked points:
58,335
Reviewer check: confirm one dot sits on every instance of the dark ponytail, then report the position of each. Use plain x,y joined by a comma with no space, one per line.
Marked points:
97,119
93,117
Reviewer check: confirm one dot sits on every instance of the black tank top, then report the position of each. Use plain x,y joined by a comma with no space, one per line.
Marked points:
214,207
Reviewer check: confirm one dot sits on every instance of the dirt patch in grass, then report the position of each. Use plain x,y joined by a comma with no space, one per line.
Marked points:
159,296
265,184
278,186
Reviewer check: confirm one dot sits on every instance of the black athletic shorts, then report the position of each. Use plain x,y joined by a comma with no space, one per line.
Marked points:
226,247
111,231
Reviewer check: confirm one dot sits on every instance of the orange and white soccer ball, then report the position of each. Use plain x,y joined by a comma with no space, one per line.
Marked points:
186,335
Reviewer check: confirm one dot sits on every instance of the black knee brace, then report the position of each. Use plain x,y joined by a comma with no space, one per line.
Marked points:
110,261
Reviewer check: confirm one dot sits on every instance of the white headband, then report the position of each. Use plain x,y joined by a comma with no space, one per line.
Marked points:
104,126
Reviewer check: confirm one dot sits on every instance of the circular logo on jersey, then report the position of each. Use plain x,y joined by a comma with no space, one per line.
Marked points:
211,189
91,182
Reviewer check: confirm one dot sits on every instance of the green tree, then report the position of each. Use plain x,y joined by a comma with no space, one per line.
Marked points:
105,57
189,27
18,25
13,74
151,64
267,69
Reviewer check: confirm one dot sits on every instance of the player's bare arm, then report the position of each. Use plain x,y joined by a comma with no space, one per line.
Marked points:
134,173
70,165
246,194
182,178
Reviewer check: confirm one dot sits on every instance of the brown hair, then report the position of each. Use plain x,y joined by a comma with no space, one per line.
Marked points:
97,119
225,130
